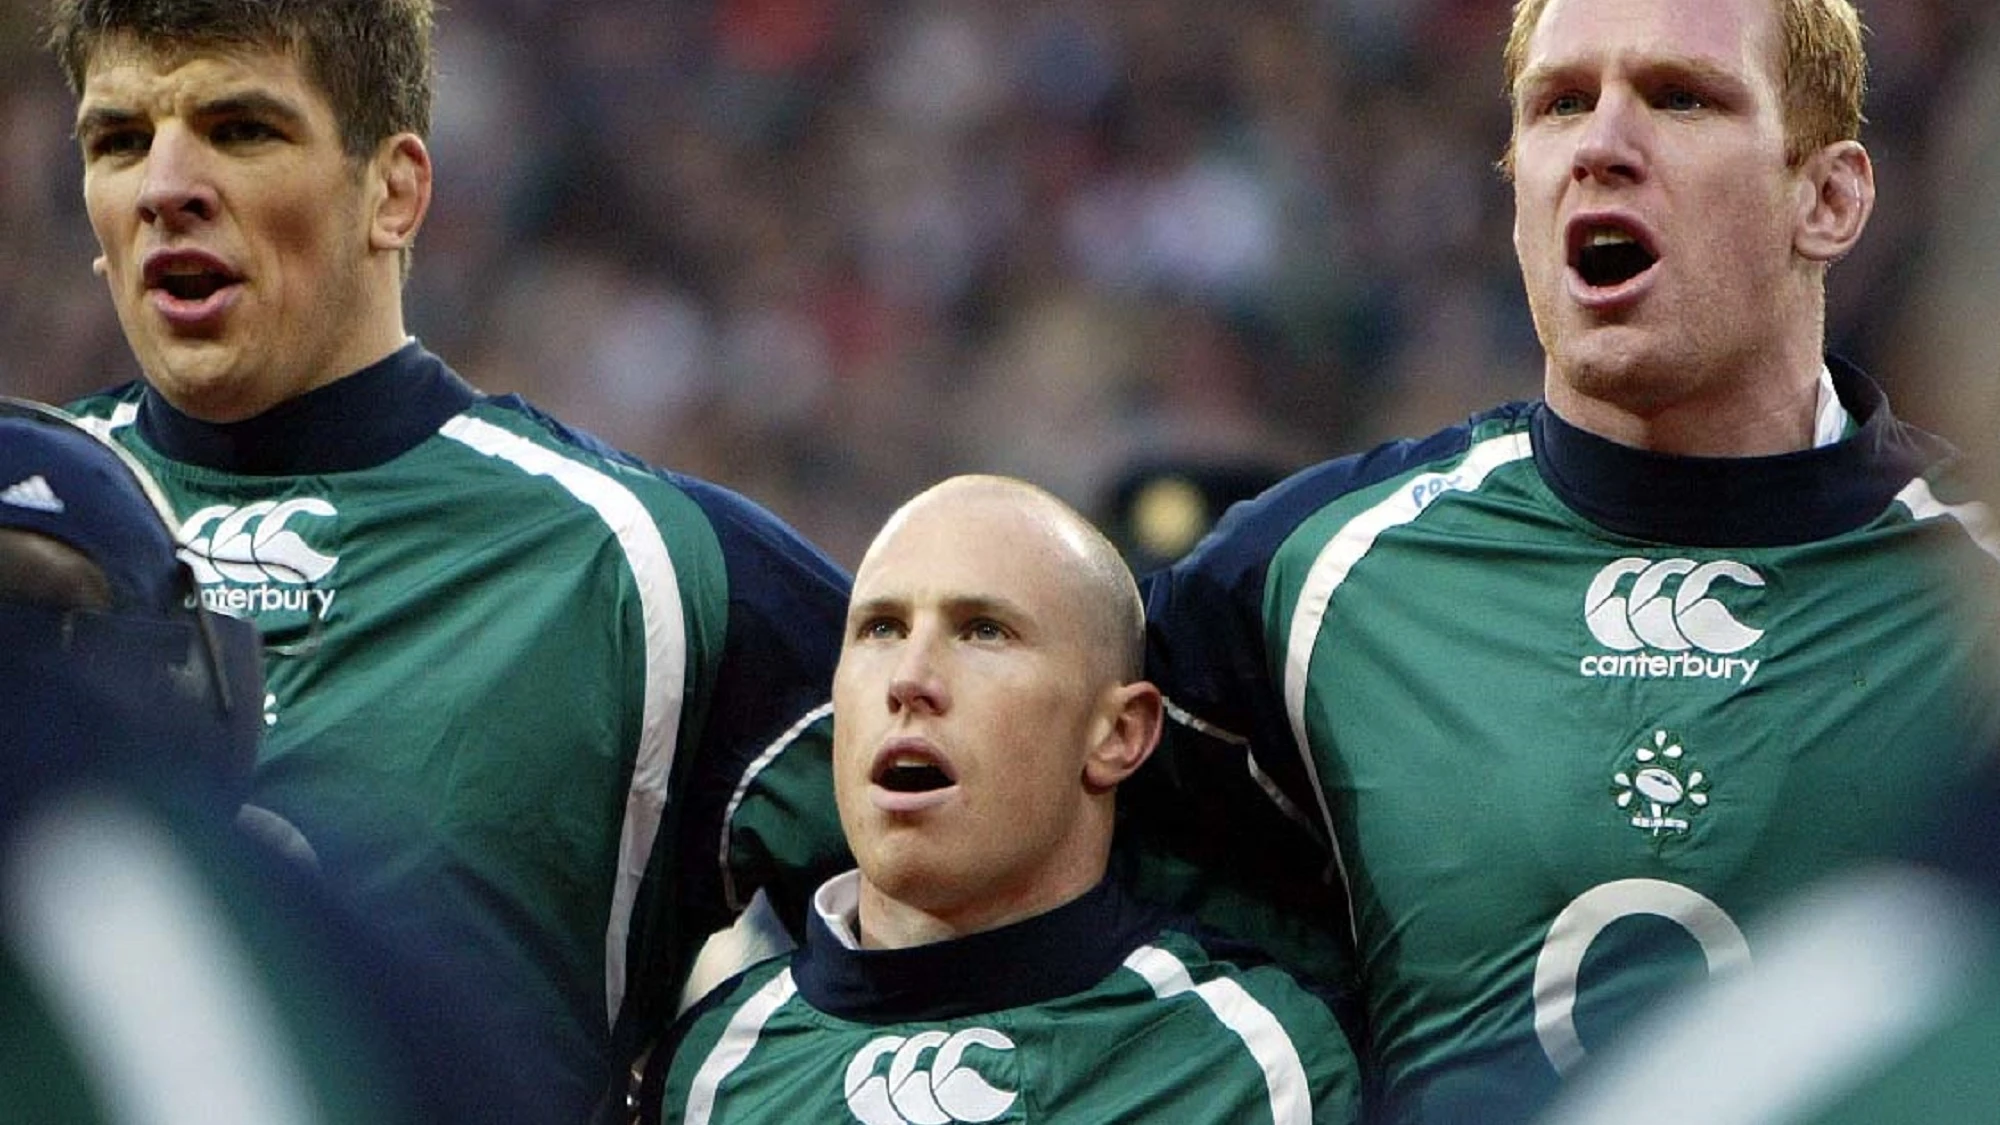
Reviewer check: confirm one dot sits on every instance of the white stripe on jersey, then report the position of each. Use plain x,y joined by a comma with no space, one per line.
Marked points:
159,999
1337,560
1977,519
666,659
730,895
122,415
737,1041
1284,1074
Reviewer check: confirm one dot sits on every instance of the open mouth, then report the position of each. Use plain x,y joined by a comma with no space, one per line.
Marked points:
188,277
912,774
193,286
1608,256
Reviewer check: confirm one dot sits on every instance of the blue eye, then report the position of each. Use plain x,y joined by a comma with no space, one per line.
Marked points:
984,630
1566,105
879,629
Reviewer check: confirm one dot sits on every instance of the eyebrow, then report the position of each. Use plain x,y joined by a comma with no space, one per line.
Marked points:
963,605
251,104
99,120
1701,71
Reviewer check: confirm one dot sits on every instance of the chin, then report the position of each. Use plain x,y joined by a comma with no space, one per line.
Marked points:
1614,363
210,394
907,878
901,860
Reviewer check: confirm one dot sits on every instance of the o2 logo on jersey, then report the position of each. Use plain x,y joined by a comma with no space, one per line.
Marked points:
253,559
947,1091
1669,622
1559,968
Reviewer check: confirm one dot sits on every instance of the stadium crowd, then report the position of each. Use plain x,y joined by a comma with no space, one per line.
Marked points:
827,253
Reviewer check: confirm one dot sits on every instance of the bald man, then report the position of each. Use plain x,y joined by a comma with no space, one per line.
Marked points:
979,965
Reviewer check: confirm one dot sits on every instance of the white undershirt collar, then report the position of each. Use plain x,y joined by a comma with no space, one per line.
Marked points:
838,902
1831,422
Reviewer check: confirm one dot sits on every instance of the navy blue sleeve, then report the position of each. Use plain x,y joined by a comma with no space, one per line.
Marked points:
1222,823
1208,637
759,812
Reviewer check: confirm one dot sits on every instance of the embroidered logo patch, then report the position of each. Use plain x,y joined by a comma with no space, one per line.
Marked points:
1660,790
930,1080
1666,620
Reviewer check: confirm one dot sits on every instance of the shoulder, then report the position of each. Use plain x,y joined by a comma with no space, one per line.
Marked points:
1220,980
536,443
766,983
105,404
1188,954
1335,491
521,439
737,1010
1231,1003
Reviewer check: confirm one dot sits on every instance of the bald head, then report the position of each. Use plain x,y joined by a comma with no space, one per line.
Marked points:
1098,586
986,707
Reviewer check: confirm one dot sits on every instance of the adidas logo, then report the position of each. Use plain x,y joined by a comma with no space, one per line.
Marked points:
33,493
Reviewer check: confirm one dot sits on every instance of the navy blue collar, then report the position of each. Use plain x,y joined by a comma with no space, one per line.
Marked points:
1064,951
366,419
1740,502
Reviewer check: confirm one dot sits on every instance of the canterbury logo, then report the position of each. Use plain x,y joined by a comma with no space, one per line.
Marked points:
1648,617
1656,633
254,544
947,1091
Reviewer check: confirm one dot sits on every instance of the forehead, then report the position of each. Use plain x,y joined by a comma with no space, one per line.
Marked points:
127,72
965,545
1736,35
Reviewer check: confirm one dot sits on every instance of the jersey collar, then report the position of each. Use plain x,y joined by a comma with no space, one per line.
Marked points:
370,417
1740,501
1063,951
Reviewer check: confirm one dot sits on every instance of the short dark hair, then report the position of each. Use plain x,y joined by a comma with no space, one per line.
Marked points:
371,58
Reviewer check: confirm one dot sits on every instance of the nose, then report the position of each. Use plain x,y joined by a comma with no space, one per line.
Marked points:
916,682
1612,145
176,189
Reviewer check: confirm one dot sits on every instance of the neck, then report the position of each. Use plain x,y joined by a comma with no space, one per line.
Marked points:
887,921
1755,416
1700,389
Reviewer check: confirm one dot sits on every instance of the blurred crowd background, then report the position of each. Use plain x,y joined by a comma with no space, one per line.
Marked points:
827,251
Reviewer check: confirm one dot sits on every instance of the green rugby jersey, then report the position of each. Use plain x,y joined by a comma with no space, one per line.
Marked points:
1565,714
1875,1001
1096,1011
155,968
576,704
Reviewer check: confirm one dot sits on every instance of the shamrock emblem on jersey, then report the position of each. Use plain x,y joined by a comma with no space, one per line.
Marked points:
1660,789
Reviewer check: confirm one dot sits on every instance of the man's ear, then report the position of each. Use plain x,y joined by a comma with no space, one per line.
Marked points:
402,173
1134,713
1836,196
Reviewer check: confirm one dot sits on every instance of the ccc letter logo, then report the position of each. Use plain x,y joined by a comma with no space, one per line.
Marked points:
948,1092
1648,617
253,545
